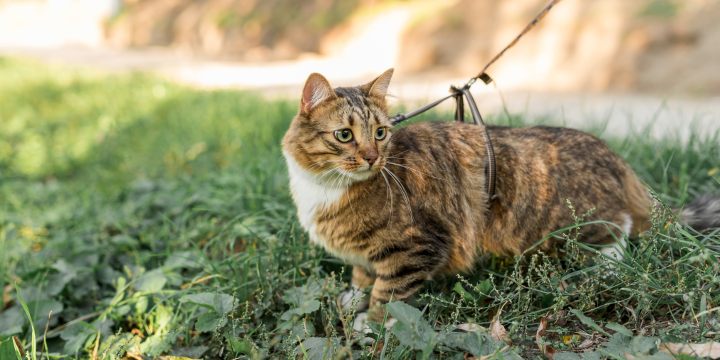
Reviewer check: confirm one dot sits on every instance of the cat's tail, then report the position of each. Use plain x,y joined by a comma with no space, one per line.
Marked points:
703,213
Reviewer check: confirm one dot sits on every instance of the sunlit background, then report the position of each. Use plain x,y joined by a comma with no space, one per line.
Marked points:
141,169
627,62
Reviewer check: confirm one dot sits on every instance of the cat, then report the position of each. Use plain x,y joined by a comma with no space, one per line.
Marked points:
405,205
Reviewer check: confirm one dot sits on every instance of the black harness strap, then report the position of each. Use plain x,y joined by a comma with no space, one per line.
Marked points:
402,117
459,93
459,108
490,168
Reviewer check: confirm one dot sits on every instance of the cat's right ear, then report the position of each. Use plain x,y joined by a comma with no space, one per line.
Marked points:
317,90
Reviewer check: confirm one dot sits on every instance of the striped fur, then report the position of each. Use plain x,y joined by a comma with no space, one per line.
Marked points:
421,208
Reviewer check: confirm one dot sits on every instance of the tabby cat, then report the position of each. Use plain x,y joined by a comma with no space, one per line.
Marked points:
403,206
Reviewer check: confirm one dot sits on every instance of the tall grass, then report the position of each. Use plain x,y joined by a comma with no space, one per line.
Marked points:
159,215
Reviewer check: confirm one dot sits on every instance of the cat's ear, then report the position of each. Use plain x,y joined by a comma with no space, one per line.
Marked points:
317,90
379,86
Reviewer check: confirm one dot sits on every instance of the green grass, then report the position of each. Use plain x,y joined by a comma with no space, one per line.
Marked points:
163,213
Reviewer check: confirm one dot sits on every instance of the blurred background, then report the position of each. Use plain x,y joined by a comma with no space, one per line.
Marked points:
136,133
623,62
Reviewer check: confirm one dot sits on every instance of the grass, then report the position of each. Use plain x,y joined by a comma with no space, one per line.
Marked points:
153,218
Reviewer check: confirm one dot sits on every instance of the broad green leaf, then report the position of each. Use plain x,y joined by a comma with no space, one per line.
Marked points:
404,313
305,308
464,294
11,318
241,346
220,303
76,336
119,345
478,343
619,328
141,302
57,281
105,327
209,321
107,275
644,346
158,343
485,288
151,281
181,259
223,304
596,355
32,293
408,337
123,241
588,321
638,347
430,345
11,330
456,340
74,329
7,350
41,308
301,294
191,352
374,327
122,310
412,330
163,315
83,285
303,329
315,348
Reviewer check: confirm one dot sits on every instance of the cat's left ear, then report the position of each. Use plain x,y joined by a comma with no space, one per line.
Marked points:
379,86
317,91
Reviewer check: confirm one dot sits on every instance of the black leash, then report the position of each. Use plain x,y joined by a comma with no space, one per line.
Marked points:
464,91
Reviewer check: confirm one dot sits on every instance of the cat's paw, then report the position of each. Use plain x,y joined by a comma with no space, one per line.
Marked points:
354,294
360,327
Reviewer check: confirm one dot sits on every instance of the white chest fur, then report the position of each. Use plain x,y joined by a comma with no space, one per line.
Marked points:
311,192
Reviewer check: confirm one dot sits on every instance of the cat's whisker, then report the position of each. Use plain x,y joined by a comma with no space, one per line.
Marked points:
328,182
389,191
337,180
414,170
404,193
347,193
320,163
400,153
399,158
345,177
322,174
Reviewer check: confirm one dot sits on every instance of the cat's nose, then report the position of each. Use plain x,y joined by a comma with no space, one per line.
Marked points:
370,159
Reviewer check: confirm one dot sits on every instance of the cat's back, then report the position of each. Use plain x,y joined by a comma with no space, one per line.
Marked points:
551,144
538,170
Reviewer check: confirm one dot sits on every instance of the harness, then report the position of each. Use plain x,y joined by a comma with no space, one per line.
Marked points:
464,92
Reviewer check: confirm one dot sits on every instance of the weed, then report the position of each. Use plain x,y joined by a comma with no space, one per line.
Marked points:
157,225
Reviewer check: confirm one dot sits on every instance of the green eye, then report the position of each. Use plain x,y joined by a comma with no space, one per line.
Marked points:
380,133
343,135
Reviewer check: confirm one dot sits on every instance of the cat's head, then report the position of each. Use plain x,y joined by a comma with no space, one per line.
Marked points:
343,131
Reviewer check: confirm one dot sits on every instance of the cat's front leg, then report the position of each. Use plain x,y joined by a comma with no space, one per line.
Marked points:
361,280
396,286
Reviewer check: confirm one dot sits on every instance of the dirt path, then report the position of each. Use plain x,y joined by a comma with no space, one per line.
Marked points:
624,113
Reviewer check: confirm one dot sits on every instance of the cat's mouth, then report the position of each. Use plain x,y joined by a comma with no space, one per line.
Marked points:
365,172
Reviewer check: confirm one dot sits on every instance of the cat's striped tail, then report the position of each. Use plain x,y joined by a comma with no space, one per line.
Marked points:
703,213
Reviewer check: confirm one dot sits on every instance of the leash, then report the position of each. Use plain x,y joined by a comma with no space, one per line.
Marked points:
464,92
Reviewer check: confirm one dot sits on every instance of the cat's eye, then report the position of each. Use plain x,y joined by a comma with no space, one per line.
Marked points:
380,133
343,135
